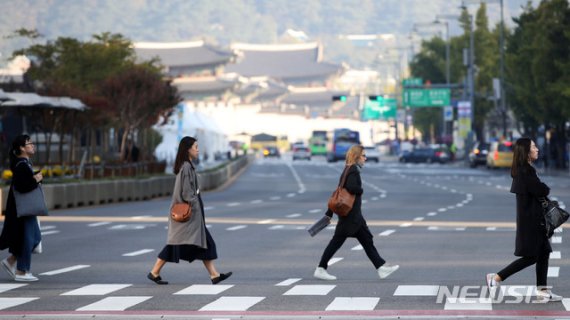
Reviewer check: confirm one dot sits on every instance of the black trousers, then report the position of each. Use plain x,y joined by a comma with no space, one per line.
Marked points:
363,236
541,267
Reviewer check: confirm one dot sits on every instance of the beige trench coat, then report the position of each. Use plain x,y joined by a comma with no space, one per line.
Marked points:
186,190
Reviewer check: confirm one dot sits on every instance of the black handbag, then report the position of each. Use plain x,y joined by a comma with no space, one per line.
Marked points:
554,216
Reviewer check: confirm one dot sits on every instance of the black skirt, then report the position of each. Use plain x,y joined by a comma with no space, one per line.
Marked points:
176,252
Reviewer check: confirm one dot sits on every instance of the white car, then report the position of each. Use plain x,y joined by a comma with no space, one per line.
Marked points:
301,153
372,154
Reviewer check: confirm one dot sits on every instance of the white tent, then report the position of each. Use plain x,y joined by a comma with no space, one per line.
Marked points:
196,124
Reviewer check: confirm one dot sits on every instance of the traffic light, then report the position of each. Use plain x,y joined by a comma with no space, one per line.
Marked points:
341,98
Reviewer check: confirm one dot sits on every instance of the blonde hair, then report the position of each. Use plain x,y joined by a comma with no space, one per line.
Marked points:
354,154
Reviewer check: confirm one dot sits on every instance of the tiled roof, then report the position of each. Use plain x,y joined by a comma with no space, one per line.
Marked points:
179,54
288,63
204,84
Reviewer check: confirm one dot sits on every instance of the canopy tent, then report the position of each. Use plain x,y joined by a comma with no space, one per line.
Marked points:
19,99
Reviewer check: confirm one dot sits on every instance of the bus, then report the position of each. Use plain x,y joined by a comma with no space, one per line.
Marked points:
318,143
340,140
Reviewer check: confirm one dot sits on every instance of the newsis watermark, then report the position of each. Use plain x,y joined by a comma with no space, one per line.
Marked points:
481,294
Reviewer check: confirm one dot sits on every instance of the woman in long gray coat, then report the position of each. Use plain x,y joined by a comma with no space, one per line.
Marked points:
532,245
188,240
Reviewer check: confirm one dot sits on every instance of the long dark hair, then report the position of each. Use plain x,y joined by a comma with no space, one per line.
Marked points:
182,155
15,152
521,155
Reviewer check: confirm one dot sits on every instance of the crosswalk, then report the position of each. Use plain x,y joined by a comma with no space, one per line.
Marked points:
113,297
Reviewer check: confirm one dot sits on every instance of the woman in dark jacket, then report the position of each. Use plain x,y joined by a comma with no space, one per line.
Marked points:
20,235
353,224
532,243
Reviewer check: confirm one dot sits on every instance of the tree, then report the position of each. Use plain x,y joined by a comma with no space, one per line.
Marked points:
138,97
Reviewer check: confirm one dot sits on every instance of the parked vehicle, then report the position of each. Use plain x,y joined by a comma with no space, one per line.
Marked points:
428,155
478,155
271,152
372,154
300,153
500,155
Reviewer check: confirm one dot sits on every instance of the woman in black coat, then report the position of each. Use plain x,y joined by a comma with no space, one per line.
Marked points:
353,224
20,235
532,243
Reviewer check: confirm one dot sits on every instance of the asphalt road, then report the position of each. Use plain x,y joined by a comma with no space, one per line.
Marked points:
445,225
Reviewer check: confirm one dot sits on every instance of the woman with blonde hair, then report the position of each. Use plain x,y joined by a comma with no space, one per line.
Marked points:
353,225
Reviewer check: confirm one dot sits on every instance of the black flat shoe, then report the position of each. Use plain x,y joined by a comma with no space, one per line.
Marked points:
221,277
157,280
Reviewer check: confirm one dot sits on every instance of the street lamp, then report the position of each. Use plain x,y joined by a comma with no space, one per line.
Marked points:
501,58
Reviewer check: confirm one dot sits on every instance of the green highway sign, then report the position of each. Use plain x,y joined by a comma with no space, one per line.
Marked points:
413,82
382,108
426,97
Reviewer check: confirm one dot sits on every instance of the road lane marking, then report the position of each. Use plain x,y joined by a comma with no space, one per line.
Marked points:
309,290
208,289
566,303
416,290
232,304
140,217
352,303
357,248
64,270
556,239
42,228
9,286
406,224
468,304
47,233
291,195
6,303
296,176
491,229
334,260
294,215
288,282
266,221
114,303
96,290
256,201
98,224
553,272
233,204
442,209
555,255
431,214
277,227
386,233
315,210
419,219
137,253
275,198
236,228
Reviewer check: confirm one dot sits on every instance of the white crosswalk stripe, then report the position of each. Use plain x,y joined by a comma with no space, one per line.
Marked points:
114,303
232,304
349,304
309,290
6,303
206,289
96,290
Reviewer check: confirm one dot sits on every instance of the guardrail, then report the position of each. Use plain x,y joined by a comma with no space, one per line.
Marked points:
88,193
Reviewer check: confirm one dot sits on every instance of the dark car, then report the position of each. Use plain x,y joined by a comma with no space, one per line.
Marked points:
271,152
478,154
428,155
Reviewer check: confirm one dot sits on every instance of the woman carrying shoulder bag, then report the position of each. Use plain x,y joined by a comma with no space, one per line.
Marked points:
353,225
188,240
21,235
532,243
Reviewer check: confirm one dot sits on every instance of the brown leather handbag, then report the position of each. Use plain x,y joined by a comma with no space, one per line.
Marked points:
181,212
341,201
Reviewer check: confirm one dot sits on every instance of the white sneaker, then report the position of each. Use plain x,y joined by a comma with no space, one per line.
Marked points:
10,268
492,284
27,277
387,270
547,296
321,273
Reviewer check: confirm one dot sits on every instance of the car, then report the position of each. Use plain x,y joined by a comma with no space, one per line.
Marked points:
500,155
372,154
301,153
478,155
271,152
428,155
